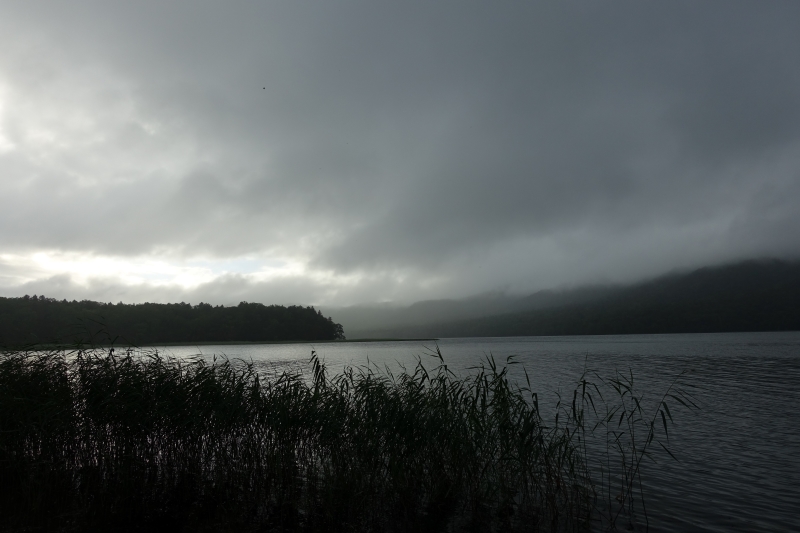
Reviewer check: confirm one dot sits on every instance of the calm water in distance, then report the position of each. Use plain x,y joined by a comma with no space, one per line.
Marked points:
738,465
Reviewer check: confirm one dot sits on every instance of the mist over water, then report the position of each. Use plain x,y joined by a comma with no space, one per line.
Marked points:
738,457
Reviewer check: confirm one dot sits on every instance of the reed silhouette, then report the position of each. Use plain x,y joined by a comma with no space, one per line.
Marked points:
101,440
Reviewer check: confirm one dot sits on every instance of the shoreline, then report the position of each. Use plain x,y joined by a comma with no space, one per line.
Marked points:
234,343
51,346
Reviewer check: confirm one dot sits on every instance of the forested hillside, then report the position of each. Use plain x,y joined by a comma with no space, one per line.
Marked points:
748,296
40,319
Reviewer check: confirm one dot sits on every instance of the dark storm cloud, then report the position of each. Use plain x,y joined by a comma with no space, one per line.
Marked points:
445,147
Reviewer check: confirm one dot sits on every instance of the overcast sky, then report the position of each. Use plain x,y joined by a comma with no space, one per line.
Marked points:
349,152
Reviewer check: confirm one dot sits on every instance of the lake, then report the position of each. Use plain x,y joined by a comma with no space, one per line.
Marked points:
738,457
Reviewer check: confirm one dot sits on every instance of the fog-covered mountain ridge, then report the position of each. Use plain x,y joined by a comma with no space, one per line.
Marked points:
759,294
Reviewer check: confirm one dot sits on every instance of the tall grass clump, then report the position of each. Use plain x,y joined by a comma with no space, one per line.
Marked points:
619,427
92,440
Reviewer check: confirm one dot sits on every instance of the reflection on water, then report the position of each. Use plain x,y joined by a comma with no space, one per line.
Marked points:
738,465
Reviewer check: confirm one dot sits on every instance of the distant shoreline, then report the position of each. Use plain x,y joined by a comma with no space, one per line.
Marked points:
324,341
50,346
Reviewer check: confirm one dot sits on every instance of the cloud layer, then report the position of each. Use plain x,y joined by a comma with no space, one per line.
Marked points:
366,151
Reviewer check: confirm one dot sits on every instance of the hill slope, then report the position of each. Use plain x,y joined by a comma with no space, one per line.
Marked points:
749,296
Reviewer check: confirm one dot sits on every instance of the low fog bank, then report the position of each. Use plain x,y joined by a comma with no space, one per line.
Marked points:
754,295
391,320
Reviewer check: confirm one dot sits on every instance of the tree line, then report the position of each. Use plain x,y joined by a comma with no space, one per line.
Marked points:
37,319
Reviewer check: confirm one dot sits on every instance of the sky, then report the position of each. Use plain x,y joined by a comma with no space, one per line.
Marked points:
345,152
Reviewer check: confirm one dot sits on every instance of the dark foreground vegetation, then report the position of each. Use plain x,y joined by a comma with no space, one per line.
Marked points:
94,441
38,319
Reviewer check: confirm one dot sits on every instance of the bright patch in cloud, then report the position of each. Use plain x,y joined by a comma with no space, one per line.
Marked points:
82,269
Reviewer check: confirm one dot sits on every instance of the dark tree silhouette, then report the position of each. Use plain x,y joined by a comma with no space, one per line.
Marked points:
39,319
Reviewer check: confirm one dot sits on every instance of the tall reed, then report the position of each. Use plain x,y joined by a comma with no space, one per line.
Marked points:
93,440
